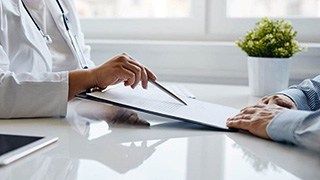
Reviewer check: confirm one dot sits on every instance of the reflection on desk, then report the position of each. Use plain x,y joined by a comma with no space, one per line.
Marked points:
91,148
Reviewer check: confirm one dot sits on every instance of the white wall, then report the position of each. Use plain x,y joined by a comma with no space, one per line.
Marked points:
202,62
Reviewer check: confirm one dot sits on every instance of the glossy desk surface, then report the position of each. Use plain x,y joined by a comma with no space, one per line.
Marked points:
90,148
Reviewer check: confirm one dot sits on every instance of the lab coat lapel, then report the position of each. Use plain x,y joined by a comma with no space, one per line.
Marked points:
58,19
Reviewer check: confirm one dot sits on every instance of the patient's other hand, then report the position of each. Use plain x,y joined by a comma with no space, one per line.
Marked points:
280,100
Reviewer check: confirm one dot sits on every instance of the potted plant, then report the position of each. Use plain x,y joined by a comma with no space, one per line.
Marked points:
269,47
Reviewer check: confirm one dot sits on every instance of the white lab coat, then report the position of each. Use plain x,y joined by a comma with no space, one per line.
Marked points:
30,83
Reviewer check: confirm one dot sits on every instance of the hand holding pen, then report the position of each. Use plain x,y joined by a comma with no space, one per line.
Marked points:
152,79
121,68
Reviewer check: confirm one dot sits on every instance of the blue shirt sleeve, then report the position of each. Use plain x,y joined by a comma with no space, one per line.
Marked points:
305,95
298,127
302,126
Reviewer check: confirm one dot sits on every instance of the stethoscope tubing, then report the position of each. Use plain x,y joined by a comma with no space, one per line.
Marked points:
73,39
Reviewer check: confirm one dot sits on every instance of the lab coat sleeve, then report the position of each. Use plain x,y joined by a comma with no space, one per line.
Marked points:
26,95
298,127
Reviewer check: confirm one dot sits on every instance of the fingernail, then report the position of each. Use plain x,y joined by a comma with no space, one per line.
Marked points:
145,123
144,86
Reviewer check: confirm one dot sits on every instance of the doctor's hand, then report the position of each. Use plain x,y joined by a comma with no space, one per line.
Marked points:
255,119
122,68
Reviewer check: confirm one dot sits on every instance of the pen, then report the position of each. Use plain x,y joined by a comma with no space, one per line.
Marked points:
161,87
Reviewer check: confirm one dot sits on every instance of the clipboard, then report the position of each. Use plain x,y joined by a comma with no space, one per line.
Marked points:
156,102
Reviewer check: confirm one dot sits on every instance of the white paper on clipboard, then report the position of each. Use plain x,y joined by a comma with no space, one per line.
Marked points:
156,102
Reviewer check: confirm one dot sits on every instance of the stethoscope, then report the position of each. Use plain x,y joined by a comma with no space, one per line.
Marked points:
73,39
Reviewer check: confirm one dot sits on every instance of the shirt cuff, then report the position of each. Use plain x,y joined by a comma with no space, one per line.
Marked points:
298,97
282,127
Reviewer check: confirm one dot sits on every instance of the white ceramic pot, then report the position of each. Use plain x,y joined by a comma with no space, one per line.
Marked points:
267,75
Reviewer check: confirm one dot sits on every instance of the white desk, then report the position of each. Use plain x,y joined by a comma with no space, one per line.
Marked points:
88,148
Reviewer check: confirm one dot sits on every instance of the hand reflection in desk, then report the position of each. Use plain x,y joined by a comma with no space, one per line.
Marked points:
265,155
97,122
113,115
95,141
88,145
121,158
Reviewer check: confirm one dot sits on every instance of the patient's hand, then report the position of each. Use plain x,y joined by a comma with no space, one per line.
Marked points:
280,100
255,119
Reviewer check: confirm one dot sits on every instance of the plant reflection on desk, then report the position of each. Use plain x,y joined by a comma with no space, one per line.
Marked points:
267,155
257,163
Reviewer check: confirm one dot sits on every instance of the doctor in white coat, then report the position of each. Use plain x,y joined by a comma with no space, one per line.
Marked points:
43,65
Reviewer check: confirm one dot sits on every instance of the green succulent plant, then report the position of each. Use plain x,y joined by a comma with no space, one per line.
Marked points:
270,38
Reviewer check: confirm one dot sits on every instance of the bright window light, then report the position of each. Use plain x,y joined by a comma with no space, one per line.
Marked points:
134,8
219,20
273,8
